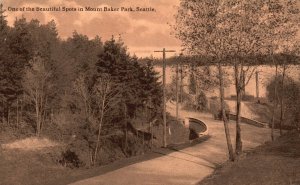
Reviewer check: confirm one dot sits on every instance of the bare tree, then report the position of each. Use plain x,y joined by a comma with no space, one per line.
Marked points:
97,103
106,97
37,85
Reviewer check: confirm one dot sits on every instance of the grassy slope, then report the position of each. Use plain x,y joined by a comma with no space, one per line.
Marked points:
274,163
19,167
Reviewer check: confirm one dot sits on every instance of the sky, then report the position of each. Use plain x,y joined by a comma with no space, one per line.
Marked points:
142,32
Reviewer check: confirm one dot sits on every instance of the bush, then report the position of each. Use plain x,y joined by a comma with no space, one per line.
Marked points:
248,97
245,97
70,159
290,93
215,108
201,102
193,102
219,115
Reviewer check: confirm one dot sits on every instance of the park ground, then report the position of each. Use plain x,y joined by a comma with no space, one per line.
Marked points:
203,162
275,163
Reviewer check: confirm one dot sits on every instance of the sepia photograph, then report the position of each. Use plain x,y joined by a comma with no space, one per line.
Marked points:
149,92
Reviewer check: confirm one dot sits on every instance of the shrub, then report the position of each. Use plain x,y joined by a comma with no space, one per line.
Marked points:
219,115
201,102
245,97
248,97
70,159
290,93
195,102
215,108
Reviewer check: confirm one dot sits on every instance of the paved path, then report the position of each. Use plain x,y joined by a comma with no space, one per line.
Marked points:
187,166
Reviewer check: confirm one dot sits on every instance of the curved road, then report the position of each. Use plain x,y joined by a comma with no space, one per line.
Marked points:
186,166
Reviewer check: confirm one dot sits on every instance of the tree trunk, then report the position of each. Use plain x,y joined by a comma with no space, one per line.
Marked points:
3,111
257,86
238,139
181,84
239,83
37,112
99,131
143,140
243,82
177,97
126,126
17,112
8,113
51,116
226,128
274,104
43,114
151,131
282,100
21,111
91,157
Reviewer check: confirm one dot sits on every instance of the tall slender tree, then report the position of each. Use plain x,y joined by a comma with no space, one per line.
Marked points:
3,57
197,25
282,22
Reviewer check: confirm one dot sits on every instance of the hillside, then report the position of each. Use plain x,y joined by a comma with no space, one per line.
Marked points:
273,163
252,110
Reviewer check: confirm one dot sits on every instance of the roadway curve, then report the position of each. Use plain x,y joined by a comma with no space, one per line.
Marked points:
186,166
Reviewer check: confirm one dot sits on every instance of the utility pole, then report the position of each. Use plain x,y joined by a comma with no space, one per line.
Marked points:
164,95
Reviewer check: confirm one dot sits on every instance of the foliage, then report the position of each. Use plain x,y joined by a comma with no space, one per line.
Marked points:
70,159
201,102
193,83
38,85
231,31
215,108
137,84
80,90
290,93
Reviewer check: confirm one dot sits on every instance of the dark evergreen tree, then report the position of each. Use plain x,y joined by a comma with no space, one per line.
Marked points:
3,57
16,54
137,83
152,88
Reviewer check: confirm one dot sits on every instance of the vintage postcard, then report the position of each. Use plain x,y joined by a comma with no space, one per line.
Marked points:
144,92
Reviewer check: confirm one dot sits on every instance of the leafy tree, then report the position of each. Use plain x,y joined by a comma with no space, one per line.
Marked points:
230,32
137,84
193,83
242,32
4,29
83,52
18,52
281,38
41,75
197,27
289,93
82,86
124,71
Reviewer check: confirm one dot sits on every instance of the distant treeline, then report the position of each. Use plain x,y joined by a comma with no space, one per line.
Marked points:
278,59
